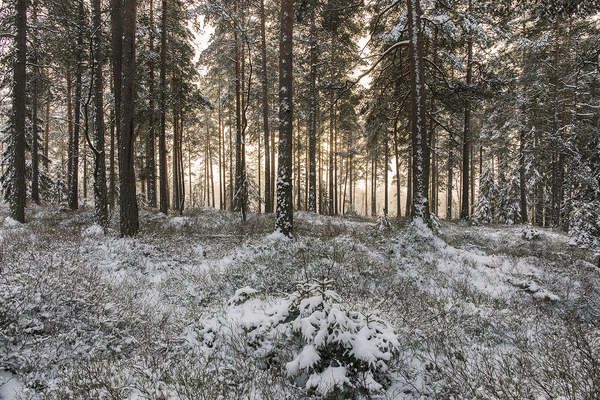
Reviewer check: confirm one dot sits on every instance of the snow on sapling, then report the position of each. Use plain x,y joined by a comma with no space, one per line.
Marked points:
486,207
335,350
585,224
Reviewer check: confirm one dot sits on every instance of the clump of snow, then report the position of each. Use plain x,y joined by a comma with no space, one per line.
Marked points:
179,222
530,234
278,236
11,223
242,295
329,380
93,231
11,388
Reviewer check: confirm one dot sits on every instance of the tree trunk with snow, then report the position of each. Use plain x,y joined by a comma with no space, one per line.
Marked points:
420,147
285,212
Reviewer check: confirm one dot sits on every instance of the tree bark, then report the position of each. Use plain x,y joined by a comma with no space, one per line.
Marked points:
312,124
35,172
151,139
129,223
47,135
450,174
331,157
285,211
265,110
522,177
420,203
100,197
556,167
239,198
117,69
466,165
74,161
18,185
162,142
397,156
112,181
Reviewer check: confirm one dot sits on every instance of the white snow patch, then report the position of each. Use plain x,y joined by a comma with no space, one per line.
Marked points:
11,223
11,388
326,382
93,231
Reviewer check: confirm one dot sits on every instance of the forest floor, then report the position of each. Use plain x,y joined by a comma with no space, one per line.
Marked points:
478,312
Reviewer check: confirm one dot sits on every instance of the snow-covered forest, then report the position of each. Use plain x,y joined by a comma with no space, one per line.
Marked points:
324,199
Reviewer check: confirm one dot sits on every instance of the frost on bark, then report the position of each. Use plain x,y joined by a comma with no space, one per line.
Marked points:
285,214
17,177
420,147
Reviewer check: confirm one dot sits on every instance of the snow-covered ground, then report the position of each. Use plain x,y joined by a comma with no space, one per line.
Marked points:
487,312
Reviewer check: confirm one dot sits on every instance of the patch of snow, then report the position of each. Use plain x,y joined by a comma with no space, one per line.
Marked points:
11,223
11,388
327,381
93,231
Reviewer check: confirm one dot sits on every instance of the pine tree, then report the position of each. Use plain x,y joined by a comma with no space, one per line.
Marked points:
17,189
285,215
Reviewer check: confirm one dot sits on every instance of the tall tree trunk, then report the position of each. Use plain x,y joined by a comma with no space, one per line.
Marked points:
450,174
331,196
74,161
409,175
175,156
151,139
212,179
466,162
265,110
385,178
69,80
100,198
556,174
298,168
420,203
129,222
285,210
374,186
397,156
112,192
522,177
117,68
180,165
240,167
221,156
18,186
231,176
312,124
47,135
162,142
335,164
35,172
